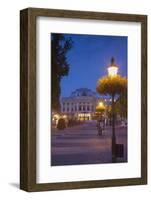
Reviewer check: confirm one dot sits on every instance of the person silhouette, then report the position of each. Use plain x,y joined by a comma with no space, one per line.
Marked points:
100,126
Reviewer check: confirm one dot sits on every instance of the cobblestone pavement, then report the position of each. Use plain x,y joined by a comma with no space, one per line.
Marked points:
82,145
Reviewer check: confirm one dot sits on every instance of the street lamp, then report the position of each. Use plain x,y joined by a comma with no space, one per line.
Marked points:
101,105
112,84
100,108
112,72
112,68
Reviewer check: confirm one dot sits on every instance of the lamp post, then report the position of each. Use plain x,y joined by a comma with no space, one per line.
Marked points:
112,72
112,84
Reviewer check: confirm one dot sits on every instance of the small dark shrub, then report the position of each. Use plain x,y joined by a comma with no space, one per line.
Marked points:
61,124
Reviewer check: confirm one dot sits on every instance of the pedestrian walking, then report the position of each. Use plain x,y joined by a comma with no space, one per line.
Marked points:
100,126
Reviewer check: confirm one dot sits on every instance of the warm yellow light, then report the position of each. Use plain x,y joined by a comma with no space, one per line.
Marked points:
112,70
56,116
101,104
100,107
64,116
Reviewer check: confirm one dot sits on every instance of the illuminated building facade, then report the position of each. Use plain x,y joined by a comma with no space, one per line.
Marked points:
81,104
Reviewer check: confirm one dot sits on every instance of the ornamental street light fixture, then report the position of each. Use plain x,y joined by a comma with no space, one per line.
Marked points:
112,68
101,106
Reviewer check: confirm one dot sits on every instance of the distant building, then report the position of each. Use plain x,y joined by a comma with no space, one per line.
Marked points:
81,104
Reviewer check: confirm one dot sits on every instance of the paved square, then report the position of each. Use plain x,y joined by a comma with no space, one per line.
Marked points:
82,145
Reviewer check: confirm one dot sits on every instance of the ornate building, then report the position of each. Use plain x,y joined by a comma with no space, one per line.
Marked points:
81,104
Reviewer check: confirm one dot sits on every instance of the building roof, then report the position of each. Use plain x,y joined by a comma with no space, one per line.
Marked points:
83,92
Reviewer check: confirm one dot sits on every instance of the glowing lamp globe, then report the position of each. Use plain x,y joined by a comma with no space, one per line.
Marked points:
101,104
112,68
100,107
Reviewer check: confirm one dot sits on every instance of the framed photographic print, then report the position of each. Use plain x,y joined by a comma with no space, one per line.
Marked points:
83,99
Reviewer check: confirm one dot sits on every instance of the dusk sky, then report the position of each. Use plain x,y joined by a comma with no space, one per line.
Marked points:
89,58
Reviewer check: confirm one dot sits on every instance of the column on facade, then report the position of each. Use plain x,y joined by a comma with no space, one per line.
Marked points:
65,107
77,105
86,106
90,107
73,110
70,107
82,107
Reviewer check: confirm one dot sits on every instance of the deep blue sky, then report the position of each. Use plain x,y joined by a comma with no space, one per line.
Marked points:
89,58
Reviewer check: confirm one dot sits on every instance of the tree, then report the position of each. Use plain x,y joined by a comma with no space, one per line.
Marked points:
121,105
115,85
60,45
